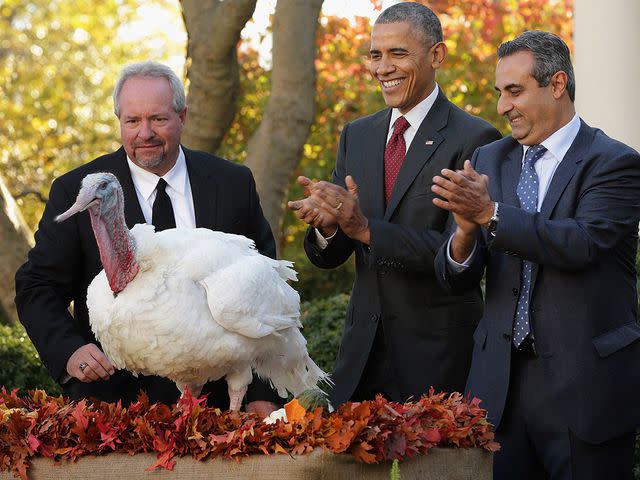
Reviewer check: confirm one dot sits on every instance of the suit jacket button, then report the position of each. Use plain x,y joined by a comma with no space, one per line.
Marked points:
374,318
506,336
515,292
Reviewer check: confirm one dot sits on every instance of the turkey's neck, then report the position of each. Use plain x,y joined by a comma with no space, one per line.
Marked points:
117,250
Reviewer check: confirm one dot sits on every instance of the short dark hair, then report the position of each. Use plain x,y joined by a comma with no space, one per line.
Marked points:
551,55
419,16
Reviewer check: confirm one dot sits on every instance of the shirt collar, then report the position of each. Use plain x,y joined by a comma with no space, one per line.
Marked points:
417,114
146,181
560,141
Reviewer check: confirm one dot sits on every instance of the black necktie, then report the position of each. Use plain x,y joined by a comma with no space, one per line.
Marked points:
162,217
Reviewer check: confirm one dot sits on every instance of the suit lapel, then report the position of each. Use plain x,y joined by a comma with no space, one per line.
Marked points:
511,169
204,190
422,147
566,170
374,165
132,211
561,178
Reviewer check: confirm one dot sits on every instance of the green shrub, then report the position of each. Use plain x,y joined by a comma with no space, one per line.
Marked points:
323,322
20,365
314,283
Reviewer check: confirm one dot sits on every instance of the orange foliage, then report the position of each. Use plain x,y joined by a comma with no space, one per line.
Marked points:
371,431
295,411
473,29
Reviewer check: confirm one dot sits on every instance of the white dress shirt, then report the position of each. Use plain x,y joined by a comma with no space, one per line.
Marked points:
557,146
415,117
178,189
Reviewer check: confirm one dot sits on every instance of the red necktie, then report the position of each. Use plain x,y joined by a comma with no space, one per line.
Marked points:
394,155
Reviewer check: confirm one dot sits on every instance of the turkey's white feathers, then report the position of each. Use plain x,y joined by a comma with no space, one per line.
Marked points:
256,306
204,305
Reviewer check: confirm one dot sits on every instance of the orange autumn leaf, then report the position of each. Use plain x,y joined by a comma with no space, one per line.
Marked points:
339,441
362,454
295,411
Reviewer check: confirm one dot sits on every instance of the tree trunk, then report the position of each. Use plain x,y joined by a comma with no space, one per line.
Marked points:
15,242
276,147
213,28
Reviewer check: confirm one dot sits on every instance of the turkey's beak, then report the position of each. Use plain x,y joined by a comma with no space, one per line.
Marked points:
86,199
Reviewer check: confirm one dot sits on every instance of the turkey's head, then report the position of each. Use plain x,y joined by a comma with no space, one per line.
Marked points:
101,194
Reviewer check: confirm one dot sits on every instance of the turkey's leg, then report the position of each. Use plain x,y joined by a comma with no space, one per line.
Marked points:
235,398
237,383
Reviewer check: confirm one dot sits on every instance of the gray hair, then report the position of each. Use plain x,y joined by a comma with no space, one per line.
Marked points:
420,17
551,55
151,69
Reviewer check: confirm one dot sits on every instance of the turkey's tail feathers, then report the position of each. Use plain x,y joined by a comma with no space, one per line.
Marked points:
292,373
285,270
295,380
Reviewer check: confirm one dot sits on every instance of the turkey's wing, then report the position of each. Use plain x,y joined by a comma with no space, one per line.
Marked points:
250,298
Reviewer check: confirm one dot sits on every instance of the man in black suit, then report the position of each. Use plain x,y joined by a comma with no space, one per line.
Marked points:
403,333
551,214
202,191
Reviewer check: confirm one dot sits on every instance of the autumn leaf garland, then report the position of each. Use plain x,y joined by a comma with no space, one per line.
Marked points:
372,431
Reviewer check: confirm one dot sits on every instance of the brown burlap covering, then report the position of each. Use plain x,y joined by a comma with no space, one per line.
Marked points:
439,464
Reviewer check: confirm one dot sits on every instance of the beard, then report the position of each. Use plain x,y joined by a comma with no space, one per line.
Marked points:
147,162
150,159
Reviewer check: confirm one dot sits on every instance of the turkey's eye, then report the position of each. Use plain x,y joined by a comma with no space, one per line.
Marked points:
102,186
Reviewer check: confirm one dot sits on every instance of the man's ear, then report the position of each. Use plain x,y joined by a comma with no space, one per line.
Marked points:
439,52
559,84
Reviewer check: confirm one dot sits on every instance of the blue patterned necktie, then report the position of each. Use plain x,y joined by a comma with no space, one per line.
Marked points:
528,195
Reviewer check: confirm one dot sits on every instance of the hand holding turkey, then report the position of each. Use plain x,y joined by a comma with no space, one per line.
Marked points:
89,364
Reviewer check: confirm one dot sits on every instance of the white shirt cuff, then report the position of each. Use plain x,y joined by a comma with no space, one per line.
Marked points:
455,266
321,241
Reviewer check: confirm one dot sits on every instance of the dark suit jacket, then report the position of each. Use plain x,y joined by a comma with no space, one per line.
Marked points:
65,260
583,304
427,332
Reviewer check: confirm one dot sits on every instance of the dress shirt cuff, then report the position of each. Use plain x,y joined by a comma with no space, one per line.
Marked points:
321,241
452,265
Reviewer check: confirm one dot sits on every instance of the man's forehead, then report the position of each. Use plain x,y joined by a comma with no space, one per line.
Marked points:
515,66
395,30
522,61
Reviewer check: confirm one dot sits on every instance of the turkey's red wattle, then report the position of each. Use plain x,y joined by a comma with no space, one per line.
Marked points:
117,252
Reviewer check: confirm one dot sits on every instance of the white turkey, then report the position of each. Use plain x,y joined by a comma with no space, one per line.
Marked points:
191,305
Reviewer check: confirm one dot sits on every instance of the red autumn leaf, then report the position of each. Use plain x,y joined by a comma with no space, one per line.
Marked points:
165,460
33,442
431,435
395,446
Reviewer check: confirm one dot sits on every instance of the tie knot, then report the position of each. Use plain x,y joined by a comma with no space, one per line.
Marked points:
161,186
400,126
534,153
